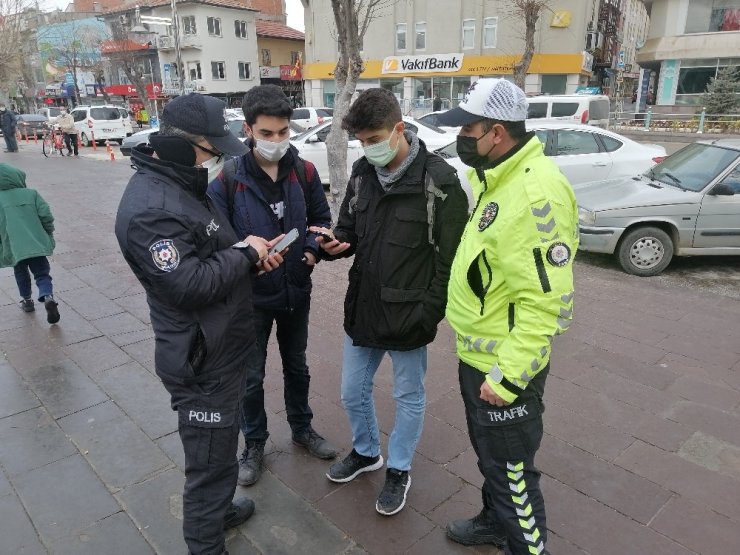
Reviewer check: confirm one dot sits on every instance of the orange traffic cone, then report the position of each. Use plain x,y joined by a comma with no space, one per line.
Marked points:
110,151
92,134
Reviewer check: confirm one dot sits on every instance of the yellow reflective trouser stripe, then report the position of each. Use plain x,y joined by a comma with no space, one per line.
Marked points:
530,532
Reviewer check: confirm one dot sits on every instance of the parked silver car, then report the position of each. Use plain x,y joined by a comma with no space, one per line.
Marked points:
688,205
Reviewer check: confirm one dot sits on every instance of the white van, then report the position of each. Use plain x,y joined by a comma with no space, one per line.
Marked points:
588,109
102,122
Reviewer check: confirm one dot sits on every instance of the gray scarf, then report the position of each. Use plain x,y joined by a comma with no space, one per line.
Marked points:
386,177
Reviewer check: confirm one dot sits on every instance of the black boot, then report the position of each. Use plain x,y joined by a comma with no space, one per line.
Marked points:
478,530
241,509
251,463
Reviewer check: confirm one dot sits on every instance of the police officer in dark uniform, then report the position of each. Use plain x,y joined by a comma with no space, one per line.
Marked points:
196,274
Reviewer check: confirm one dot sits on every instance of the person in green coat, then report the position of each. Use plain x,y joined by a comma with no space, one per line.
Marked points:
26,239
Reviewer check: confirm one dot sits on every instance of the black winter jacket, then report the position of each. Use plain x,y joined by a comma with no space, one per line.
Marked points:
397,289
179,246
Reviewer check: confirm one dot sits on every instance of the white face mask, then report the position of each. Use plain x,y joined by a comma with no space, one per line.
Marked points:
214,166
271,151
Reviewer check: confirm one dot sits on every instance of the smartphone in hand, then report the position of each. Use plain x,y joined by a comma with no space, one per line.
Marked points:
285,242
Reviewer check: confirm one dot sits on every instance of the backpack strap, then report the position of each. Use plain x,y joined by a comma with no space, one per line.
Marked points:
432,192
356,181
229,180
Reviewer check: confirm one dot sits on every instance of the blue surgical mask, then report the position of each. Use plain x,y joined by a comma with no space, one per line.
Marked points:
380,154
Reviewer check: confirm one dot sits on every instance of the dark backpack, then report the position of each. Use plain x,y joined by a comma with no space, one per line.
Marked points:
229,180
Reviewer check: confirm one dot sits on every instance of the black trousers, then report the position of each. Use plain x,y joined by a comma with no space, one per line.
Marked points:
292,337
70,141
505,440
209,429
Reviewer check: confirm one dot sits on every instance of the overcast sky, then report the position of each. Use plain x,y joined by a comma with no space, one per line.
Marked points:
293,7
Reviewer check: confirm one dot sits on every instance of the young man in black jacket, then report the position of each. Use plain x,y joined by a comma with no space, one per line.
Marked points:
270,191
196,274
402,218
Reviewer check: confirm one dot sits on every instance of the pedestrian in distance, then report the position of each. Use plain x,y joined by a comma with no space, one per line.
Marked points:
271,190
510,292
436,103
9,125
401,218
196,274
66,123
27,239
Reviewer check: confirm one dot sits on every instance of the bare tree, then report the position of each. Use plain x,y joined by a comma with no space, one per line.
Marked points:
529,11
132,58
12,25
351,19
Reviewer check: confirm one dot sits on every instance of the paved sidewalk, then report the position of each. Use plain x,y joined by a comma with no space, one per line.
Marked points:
641,453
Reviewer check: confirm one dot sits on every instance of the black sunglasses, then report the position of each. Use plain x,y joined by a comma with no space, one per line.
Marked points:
208,150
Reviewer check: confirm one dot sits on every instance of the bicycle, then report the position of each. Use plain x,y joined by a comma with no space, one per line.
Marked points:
53,142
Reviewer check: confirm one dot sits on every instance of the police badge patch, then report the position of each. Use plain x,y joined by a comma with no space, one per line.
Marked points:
489,214
558,254
165,255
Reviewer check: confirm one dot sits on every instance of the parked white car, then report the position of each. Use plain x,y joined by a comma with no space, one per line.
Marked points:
432,118
309,117
582,152
102,122
312,144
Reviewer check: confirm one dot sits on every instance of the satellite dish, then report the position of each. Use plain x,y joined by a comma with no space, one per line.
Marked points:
639,44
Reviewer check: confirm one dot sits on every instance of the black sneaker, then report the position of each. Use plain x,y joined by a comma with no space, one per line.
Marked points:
353,465
392,497
27,305
241,509
251,463
479,530
52,310
315,444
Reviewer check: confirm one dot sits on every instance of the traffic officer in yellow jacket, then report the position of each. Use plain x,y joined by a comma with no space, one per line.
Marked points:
510,292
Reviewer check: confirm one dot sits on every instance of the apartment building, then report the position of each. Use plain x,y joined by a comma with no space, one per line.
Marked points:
688,42
422,48
218,45
281,53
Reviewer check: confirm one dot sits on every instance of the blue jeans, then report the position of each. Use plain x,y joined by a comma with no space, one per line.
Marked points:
10,141
359,365
292,337
39,267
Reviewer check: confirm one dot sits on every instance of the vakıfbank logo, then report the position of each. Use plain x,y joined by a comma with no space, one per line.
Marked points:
447,63
390,65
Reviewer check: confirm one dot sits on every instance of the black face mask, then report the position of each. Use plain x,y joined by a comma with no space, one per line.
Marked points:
173,149
467,150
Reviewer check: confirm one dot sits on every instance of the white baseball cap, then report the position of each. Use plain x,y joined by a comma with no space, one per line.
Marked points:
488,98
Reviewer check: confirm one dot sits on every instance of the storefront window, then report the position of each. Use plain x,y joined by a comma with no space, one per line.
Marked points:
713,16
460,86
329,91
393,85
695,75
554,84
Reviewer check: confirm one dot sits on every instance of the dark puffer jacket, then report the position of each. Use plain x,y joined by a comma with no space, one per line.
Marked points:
290,284
398,282
198,288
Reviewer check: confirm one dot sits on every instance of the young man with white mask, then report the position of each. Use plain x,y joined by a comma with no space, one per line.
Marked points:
270,190
401,218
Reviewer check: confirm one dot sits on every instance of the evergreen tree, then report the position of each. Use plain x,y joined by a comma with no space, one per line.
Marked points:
723,92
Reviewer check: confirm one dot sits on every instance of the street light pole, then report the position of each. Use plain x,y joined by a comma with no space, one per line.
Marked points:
176,30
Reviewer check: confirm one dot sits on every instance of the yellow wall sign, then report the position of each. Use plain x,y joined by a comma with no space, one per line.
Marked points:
561,19
454,64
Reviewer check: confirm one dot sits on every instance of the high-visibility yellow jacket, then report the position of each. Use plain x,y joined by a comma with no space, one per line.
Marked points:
511,286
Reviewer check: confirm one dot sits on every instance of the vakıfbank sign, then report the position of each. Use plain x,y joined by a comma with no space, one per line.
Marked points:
448,63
